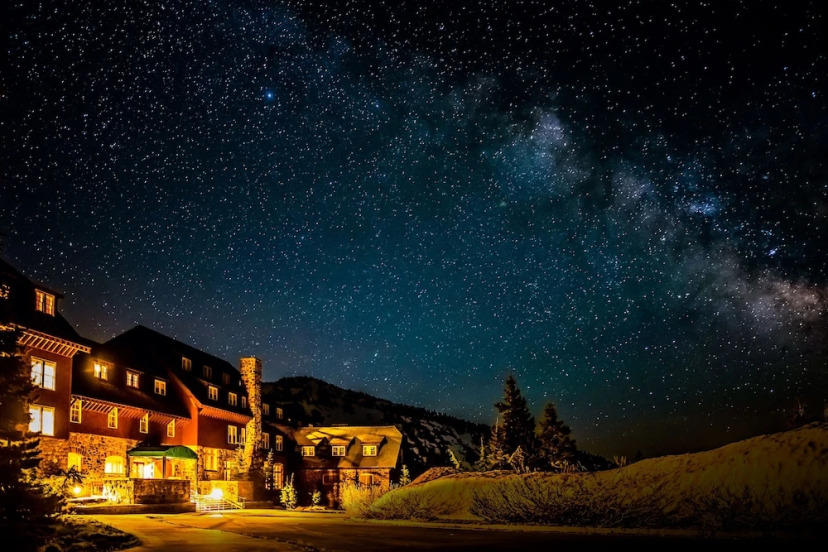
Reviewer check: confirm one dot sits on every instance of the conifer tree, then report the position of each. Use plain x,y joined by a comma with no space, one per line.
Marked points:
22,498
555,446
518,427
497,458
482,463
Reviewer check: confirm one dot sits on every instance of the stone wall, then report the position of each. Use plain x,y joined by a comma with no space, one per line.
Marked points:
224,456
161,491
54,454
233,490
251,373
95,448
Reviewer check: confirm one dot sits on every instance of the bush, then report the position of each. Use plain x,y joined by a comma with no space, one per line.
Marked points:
288,494
357,499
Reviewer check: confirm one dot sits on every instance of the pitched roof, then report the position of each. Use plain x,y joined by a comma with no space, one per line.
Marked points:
388,440
17,306
160,355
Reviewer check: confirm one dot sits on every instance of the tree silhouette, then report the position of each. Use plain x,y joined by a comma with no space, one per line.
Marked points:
555,446
517,429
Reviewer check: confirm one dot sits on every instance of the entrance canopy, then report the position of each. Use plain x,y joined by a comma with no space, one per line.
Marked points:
176,451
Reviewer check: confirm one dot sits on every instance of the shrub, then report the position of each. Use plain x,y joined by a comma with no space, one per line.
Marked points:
357,499
288,494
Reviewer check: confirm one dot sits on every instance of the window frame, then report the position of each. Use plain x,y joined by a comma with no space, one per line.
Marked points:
45,302
265,440
76,411
308,451
232,435
279,444
133,379
41,377
212,393
266,409
186,364
143,423
370,450
112,418
101,370
232,399
160,387
37,423
171,428
338,448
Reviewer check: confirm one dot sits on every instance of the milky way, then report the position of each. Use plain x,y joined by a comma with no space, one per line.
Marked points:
623,203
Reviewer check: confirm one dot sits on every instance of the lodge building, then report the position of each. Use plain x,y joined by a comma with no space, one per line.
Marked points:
144,406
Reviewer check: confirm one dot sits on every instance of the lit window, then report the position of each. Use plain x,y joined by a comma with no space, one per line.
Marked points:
114,465
132,379
186,364
171,429
244,402
369,450
112,418
207,371
45,302
143,423
42,419
225,378
278,476
43,373
5,291
279,413
266,409
366,479
280,443
101,371
232,398
211,460
232,435
308,451
160,387
212,393
75,460
75,411
265,441
338,450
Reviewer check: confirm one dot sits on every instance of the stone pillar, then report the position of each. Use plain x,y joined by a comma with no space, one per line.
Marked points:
251,373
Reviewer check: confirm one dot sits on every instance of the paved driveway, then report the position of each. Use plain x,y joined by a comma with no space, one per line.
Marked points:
251,530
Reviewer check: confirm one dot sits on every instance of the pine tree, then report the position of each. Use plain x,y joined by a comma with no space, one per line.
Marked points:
518,427
405,476
482,463
497,458
22,498
555,446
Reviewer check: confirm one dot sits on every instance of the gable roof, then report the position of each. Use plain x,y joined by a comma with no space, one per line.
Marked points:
17,307
388,440
157,354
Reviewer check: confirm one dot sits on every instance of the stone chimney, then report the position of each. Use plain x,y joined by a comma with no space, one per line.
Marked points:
251,373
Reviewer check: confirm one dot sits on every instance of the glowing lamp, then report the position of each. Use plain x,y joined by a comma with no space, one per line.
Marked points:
216,493
77,489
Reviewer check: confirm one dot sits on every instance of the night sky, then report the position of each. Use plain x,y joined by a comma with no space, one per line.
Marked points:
623,203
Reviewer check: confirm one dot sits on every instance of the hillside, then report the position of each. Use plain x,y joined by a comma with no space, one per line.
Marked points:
427,435
770,482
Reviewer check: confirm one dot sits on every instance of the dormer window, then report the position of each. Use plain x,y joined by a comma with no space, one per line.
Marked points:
266,409
309,451
207,372
225,378
45,302
160,387
101,371
338,450
279,413
186,364
232,399
212,393
132,379
369,450
244,402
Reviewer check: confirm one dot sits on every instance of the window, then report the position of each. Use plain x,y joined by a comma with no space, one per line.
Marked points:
308,451
232,435
369,450
278,476
132,379
211,460
207,372
243,436
265,441
101,371
329,478
43,373
75,411
244,402
366,479
160,387
232,398
225,378
112,418
338,450
42,419
171,429
279,413
75,460
186,364
266,409
212,393
114,465
280,443
44,302
143,423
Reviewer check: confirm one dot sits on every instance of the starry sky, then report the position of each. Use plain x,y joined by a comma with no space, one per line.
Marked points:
623,203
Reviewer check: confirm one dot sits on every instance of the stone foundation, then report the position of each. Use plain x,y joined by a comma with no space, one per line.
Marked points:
233,490
94,450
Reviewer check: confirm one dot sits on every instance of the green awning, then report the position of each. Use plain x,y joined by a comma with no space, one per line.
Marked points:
177,451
